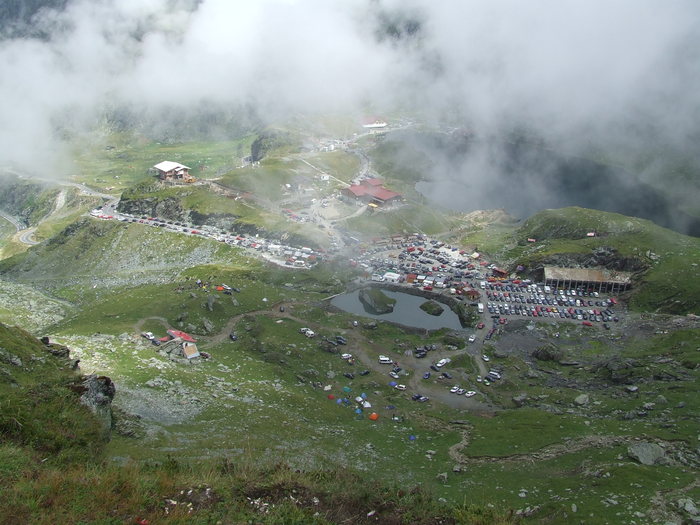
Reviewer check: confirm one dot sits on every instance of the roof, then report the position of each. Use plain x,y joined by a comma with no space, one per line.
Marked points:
373,188
357,190
592,275
182,335
382,193
168,165
190,350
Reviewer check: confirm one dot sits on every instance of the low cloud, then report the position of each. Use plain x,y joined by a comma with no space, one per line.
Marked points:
574,71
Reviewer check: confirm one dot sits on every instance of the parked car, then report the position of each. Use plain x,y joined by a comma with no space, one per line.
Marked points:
472,338
364,372
394,375
148,335
442,362
446,375
485,358
470,393
349,375
385,360
400,387
346,356
233,337
426,375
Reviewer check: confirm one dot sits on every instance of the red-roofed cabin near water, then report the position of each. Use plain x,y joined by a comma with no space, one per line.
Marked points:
371,191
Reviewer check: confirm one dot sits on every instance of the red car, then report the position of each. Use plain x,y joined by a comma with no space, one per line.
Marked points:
587,323
427,288
480,326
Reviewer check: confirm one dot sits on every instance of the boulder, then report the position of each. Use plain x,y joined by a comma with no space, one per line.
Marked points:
97,396
646,453
519,400
582,400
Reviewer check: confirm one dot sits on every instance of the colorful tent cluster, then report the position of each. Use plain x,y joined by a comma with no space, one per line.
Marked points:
361,402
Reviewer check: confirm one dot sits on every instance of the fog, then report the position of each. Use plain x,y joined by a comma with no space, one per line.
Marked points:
619,75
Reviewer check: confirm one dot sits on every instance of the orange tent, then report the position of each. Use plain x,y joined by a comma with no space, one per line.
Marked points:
374,416
219,288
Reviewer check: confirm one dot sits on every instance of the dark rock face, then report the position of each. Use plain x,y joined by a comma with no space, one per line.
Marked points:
548,352
55,348
97,396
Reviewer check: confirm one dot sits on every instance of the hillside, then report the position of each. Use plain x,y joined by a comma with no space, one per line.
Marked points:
52,468
663,262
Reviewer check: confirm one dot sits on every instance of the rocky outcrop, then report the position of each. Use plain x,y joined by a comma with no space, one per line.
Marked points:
169,208
98,393
548,352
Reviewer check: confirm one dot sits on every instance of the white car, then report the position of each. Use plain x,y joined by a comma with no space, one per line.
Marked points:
470,393
485,358
442,362
303,330
478,379
309,333
454,389
461,391
385,360
400,387
472,338
149,336
346,356
394,374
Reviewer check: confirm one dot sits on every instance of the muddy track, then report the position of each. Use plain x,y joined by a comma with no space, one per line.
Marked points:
549,452
556,450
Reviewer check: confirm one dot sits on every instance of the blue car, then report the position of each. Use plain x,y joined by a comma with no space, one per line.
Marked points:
426,375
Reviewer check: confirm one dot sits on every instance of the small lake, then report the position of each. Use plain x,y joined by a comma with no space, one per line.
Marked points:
406,311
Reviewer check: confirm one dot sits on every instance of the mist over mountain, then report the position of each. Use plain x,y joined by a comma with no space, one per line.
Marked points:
584,76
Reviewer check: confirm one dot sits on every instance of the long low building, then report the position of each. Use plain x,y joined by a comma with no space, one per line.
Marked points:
598,279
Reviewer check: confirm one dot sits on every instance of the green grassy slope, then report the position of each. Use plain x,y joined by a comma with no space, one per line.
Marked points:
51,469
664,263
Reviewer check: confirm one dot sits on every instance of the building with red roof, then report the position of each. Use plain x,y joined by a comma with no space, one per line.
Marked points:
175,334
371,191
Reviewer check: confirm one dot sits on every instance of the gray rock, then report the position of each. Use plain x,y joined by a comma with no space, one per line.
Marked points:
520,399
582,399
646,453
457,468
687,505
98,395
442,477
632,389
208,325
